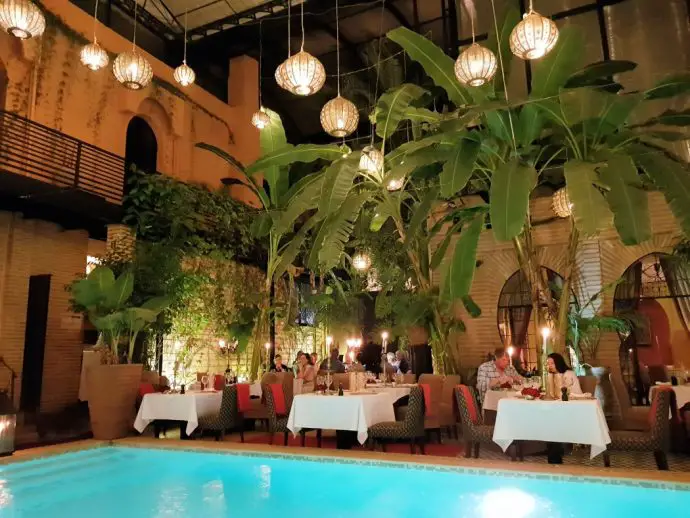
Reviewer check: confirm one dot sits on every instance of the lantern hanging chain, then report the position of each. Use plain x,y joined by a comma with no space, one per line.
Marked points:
472,13
134,38
337,43
289,41
503,74
378,70
184,57
95,21
261,51
302,24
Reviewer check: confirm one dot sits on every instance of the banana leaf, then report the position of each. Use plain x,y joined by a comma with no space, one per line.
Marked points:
511,185
392,106
590,210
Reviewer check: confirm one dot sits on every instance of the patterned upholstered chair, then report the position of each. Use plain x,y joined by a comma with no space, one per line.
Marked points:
410,429
474,431
228,418
410,377
631,417
278,423
432,421
658,437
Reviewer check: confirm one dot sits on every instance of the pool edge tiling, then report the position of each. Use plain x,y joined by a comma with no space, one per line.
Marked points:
648,479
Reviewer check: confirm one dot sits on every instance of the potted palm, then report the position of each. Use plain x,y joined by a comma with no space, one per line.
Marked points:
112,386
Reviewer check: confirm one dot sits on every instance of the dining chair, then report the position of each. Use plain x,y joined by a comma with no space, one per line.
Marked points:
588,383
410,377
259,411
278,423
228,418
631,417
657,373
432,418
448,419
411,428
656,439
474,431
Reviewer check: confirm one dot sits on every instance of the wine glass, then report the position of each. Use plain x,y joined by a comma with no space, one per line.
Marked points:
204,382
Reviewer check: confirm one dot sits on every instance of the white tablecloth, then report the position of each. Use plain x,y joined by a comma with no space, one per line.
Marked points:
682,394
492,397
394,392
577,422
255,389
355,412
177,407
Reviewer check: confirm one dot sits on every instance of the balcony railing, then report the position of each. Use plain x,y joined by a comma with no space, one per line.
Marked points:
41,153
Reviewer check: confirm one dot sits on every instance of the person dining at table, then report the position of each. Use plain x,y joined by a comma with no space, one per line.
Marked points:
403,362
496,372
305,372
278,365
333,363
560,375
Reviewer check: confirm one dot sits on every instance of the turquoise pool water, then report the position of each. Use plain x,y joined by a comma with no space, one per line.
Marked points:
146,483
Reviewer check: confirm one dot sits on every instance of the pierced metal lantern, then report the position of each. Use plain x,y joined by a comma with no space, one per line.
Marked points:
561,203
184,74
22,18
260,119
395,184
534,37
8,424
132,70
476,65
339,117
361,261
281,76
371,161
303,74
93,56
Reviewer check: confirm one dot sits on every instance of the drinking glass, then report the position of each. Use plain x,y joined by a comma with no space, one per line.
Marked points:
204,382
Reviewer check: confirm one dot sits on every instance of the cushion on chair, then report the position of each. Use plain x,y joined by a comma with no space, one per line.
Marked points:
244,402
146,388
278,398
387,430
428,408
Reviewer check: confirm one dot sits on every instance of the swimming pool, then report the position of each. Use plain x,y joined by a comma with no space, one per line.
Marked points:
110,482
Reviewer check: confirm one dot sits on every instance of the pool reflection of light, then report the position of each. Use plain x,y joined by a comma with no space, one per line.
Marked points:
5,494
507,502
265,478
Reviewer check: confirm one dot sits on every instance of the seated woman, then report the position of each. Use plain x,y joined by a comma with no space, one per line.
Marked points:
403,362
560,375
305,372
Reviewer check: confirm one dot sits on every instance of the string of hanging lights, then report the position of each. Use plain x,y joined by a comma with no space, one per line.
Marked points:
476,65
130,68
22,19
92,55
339,116
301,74
260,118
184,75
534,37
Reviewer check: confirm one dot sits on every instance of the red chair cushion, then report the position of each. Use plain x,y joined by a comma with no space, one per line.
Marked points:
470,402
146,388
219,382
426,388
278,398
244,403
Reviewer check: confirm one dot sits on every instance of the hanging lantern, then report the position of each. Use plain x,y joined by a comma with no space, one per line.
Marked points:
561,203
339,117
260,119
361,261
395,184
132,70
371,161
281,76
22,18
93,56
534,37
303,74
184,74
476,65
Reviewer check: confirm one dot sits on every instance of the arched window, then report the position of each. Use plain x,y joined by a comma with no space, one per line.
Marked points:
515,318
141,146
656,289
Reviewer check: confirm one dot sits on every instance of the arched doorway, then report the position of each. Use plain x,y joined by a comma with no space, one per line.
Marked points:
515,317
656,289
141,148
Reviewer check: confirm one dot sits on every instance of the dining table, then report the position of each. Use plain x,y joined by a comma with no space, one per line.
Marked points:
577,421
351,412
187,408
396,392
682,393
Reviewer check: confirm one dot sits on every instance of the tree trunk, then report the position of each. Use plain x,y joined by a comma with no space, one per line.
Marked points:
564,302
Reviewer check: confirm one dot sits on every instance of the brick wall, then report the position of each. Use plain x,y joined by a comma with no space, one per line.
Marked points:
34,247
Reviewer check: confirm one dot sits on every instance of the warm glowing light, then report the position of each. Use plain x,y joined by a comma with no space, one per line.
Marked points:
132,70
352,356
371,161
267,345
339,117
511,350
560,202
184,75
395,184
630,350
476,65
22,18
384,335
512,502
260,119
545,332
534,37
358,342
221,344
361,261
329,341
93,56
301,74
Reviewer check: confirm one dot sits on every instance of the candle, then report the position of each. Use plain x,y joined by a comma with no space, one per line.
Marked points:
384,338
511,350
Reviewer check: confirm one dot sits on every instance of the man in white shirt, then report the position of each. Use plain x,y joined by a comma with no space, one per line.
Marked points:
496,372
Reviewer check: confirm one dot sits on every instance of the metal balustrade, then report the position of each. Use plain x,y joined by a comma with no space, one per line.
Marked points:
42,153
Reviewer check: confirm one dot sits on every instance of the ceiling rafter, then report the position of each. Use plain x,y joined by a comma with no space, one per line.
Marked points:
250,15
146,19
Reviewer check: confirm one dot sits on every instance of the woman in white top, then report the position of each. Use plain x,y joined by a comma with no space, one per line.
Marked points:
560,375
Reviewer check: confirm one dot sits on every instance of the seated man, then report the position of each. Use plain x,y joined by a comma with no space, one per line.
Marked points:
278,364
333,363
495,372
